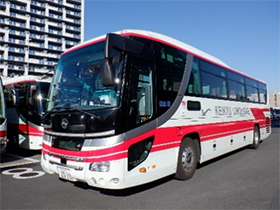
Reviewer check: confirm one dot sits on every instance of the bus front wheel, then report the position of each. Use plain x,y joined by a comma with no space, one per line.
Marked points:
187,159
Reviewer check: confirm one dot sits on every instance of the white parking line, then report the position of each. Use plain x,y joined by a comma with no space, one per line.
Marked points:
21,161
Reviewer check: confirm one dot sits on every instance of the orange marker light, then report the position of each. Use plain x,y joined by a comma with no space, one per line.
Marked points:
143,170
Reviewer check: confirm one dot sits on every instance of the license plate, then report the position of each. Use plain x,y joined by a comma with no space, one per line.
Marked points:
65,173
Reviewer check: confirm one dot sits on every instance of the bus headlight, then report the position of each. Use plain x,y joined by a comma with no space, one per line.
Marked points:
100,166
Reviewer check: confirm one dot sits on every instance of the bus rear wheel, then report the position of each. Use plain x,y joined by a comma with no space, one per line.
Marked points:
256,138
187,159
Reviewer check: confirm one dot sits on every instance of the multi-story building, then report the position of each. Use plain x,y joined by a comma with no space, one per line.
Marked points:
33,34
274,99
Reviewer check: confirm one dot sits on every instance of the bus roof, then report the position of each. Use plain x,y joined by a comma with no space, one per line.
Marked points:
166,40
22,79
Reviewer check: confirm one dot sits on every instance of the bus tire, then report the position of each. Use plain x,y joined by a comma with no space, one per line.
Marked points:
256,138
187,159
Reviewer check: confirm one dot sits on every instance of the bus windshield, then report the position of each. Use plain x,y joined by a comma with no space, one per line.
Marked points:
42,95
77,81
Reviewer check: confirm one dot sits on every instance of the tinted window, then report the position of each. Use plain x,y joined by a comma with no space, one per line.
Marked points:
213,85
236,90
235,77
213,69
170,69
262,86
170,64
252,94
194,81
262,96
251,82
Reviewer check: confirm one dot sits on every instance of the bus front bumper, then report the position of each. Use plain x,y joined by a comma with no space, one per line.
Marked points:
80,171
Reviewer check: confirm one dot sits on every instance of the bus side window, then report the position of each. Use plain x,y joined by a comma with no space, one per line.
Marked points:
208,84
252,93
141,94
194,81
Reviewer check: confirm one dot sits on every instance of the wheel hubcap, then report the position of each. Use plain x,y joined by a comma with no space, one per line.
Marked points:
187,158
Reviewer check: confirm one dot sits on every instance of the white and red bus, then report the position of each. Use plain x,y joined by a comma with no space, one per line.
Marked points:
134,106
3,120
26,98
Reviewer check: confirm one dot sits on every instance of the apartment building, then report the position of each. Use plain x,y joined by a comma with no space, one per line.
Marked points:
274,99
34,33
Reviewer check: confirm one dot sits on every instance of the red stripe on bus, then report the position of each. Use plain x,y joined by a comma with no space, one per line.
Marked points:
26,130
165,138
18,82
259,113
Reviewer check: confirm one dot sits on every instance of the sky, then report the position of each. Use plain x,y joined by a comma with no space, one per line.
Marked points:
243,34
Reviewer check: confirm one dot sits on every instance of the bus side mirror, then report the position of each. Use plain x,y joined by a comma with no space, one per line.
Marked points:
33,88
115,44
15,97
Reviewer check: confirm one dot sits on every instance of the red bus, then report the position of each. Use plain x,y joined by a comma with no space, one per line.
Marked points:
26,98
134,106
3,120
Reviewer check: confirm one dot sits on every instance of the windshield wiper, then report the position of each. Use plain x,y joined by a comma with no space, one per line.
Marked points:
62,108
82,111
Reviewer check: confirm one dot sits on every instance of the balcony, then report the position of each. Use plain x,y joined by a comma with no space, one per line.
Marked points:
51,15
56,9
52,47
15,58
73,28
37,20
19,33
16,50
17,24
55,32
36,61
73,6
73,13
16,41
39,4
22,8
38,12
72,20
59,25
74,1
20,16
35,36
55,40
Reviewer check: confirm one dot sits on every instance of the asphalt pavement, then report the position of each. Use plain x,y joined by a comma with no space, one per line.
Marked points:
244,179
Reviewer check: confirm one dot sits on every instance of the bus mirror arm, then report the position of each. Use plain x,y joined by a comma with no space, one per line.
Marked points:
114,45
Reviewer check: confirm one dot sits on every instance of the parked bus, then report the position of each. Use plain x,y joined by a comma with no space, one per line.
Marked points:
276,111
3,121
134,106
26,98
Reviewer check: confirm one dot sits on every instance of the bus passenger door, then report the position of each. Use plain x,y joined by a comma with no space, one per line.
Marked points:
140,115
140,93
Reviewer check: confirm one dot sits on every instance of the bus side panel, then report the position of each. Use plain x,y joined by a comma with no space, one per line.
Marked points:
27,135
222,126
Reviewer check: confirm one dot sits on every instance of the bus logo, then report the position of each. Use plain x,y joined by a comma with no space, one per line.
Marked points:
204,113
64,123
